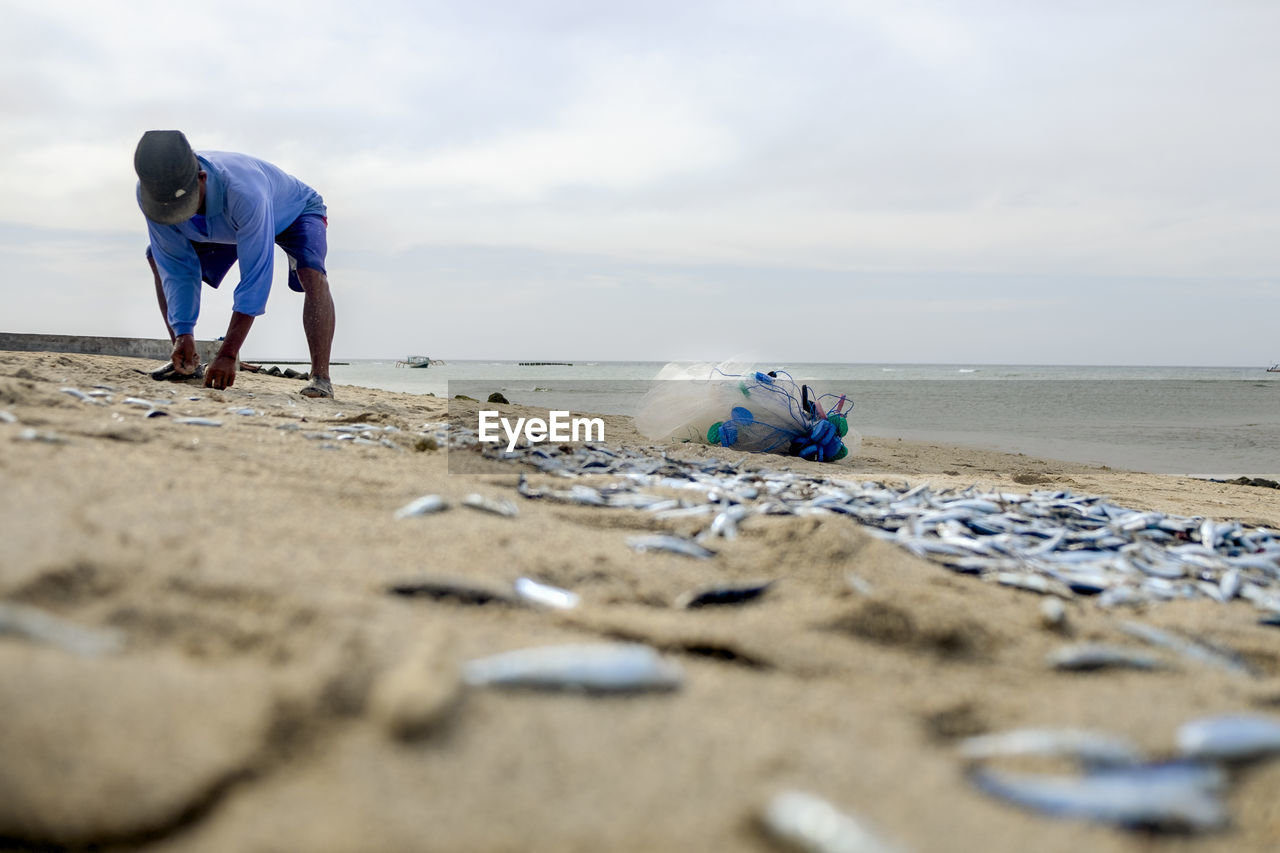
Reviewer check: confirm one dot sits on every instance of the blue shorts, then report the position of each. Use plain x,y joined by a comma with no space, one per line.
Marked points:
305,242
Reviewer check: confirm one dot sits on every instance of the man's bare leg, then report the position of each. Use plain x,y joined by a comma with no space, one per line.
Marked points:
318,322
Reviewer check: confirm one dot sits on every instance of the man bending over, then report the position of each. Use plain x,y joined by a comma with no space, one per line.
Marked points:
206,211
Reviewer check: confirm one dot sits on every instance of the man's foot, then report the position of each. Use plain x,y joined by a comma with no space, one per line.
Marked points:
319,387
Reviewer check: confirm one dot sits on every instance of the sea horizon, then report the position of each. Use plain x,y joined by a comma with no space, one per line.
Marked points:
1208,422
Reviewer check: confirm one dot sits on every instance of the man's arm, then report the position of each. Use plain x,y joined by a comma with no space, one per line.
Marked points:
164,303
250,213
221,373
178,268
177,272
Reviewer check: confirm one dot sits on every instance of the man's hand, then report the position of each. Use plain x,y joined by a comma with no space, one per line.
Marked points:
185,360
221,372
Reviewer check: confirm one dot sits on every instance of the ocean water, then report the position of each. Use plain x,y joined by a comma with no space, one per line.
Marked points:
1218,422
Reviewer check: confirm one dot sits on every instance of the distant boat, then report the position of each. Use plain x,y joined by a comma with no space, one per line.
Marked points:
1275,368
414,361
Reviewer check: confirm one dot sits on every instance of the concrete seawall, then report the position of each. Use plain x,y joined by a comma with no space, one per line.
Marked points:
157,348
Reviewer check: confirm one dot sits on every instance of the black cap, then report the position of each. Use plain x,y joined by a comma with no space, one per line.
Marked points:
169,176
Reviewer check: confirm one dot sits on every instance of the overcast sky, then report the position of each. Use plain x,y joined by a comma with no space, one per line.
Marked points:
952,181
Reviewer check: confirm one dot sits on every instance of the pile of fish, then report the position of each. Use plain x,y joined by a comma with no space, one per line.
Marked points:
1051,542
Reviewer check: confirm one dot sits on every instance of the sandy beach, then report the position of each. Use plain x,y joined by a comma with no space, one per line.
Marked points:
244,679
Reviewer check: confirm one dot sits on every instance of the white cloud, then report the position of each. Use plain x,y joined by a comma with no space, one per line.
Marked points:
618,140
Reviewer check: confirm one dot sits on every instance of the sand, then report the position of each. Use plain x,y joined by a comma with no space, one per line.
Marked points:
258,688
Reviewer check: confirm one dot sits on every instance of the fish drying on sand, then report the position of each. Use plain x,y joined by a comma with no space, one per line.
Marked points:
1052,542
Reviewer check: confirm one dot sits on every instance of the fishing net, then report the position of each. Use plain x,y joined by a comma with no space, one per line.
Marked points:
752,410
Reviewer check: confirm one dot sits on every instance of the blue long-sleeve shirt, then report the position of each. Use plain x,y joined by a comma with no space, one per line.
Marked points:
247,202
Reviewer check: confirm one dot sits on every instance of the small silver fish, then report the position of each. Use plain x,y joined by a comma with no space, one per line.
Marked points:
455,589
1238,737
425,505
35,624
671,544
1053,614
204,422
583,495
1192,650
859,584
636,500
497,506
1091,656
1091,748
525,490
812,824
546,595
1034,583
695,511
726,523
1121,596
1229,586
1181,796
596,668
44,436
81,396
723,594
